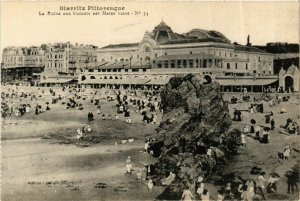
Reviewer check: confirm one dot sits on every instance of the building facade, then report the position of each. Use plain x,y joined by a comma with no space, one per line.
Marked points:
81,56
67,58
163,53
22,62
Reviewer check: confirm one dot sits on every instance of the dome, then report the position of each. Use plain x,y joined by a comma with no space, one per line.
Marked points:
162,33
204,34
162,26
197,33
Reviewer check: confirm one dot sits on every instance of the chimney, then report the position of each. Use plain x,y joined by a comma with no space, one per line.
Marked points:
248,41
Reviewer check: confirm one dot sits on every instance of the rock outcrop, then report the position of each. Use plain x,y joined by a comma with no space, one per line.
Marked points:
196,118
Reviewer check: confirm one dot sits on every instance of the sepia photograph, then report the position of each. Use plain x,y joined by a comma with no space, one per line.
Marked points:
150,100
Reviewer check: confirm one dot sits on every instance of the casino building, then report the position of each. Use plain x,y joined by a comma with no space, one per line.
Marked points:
163,53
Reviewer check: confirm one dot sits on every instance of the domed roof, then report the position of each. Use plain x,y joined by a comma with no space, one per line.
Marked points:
205,34
162,26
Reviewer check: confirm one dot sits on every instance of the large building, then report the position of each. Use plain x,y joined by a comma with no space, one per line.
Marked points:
26,63
67,58
22,62
163,53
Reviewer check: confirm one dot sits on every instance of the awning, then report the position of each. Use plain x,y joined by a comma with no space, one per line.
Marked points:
56,81
246,82
138,64
125,81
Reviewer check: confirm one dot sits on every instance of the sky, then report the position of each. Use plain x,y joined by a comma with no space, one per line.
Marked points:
21,24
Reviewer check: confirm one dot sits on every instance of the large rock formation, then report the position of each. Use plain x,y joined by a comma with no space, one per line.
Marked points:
195,118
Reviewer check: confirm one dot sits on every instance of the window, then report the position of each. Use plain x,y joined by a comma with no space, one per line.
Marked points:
270,72
236,65
184,63
105,78
92,77
204,63
178,63
91,70
144,70
156,55
191,52
228,65
172,64
264,71
246,66
254,71
166,64
126,70
115,70
166,53
191,62
108,70
159,65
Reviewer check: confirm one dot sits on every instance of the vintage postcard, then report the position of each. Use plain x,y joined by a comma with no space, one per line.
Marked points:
149,100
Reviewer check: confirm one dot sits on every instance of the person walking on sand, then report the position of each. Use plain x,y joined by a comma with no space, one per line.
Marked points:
257,131
150,185
200,186
272,124
291,181
287,152
128,168
243,136
187,194
261,185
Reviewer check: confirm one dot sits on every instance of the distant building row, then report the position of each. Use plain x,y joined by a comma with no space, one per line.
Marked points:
52,58
151,62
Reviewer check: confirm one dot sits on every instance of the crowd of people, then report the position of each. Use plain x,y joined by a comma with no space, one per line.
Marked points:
19,101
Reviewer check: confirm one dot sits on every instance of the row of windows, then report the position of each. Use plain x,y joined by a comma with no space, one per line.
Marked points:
190,63
228,65
55,65
60,56
13,59
114,70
